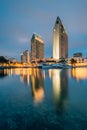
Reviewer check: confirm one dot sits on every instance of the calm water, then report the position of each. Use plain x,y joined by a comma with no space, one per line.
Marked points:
36,99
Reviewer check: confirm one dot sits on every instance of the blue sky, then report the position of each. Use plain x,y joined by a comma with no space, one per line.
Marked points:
20,18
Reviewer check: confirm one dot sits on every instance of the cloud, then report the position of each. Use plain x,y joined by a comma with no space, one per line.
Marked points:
23,39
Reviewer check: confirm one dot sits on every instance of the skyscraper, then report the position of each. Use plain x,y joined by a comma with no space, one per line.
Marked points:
60,40
37,47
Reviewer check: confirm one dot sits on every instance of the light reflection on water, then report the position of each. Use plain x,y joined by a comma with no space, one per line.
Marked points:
50,97
37,85
60,87
79,73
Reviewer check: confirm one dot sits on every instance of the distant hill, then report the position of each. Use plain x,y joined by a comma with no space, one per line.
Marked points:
3,59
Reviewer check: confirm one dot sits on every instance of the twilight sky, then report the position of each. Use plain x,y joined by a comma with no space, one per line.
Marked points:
20,18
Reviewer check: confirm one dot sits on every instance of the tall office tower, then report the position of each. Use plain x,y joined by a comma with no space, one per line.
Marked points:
60,40
37,47
25,57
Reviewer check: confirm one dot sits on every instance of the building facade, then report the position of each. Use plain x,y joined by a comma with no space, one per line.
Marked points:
79,54
37,47
25,57
60,40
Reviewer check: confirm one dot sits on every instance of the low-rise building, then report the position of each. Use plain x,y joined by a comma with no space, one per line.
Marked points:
79,54
25,57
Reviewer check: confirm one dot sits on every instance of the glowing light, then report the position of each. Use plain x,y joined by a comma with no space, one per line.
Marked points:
56,83
38,95
79,73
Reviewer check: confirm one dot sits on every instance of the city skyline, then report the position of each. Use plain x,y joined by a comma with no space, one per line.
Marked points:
19,19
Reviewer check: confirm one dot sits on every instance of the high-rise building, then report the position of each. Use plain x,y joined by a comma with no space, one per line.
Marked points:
25,57
37,47
60,40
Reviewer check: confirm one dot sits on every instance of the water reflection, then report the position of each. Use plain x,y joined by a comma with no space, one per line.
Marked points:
79,73
3,73
25,75
37,85
35,78
32,76
60,88
58,109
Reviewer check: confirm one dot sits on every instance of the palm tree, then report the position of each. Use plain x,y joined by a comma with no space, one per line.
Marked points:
73,61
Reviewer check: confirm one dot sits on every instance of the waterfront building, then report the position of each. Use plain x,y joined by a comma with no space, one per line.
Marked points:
76,59
77,54
25,57
12,60
85,60
37,47
60,40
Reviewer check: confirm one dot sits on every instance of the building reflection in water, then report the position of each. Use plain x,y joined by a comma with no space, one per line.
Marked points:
22,72
7,72
31,76
37,85
79,73
25,75
60,87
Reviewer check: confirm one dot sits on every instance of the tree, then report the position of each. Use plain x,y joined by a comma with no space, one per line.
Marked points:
73,61
3,59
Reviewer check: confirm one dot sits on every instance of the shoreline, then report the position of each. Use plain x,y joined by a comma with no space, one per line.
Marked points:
76,65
